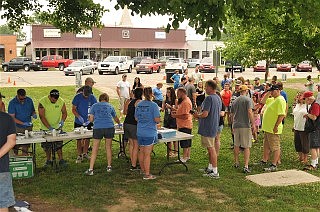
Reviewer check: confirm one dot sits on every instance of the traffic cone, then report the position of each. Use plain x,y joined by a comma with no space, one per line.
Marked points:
164,77
9,80
294,74
202,76
14,82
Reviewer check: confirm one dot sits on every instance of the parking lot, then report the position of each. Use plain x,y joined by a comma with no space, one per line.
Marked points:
107,83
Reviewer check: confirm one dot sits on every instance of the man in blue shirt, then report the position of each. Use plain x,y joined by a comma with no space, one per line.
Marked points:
21,109
81,104
208,126
157,94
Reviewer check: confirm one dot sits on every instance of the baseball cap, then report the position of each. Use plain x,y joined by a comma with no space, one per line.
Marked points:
307,94
54,93
274,88
1,96
257,78
89,79
243,88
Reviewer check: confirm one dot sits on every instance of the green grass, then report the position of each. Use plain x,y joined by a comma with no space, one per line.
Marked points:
175,189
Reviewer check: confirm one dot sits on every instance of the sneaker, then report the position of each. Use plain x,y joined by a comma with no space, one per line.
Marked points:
149,177
89,172
310,168
79,159
48,163
246,170
86,156
212,175
109,169
63,163
205,170
236,165
271,168
134,168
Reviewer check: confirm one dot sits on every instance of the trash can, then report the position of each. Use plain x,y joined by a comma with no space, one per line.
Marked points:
78,79
168,76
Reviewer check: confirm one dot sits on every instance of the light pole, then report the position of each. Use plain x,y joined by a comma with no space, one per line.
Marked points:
100,46
216,47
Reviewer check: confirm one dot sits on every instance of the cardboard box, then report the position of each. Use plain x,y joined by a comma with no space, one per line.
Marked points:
21,167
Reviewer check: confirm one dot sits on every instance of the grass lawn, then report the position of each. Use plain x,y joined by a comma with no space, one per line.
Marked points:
174,190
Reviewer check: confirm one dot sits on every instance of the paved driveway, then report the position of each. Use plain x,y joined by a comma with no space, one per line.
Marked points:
107,83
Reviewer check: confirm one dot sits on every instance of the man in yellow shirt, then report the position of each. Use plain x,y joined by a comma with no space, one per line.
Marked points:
272,125
52,113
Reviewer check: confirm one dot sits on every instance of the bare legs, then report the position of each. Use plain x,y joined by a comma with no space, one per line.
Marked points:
95,148
145,158
133,150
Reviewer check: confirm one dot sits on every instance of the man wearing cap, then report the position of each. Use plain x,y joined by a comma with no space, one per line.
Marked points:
21,108
243,126
7,142
81,104
123,91
257,86
88,82
2,105
157,94
235,95
272,126
52,113
314,137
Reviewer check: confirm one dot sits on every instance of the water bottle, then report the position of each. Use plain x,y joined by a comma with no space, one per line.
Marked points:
81,130
26,134
54,133
89,106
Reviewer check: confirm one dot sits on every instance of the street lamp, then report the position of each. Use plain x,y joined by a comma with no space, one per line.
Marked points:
216,48
100,46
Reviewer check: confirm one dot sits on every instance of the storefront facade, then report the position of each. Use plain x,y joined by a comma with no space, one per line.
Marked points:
100,43
8,48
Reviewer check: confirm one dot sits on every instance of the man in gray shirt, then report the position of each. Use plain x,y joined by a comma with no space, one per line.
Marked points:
191,92
243,126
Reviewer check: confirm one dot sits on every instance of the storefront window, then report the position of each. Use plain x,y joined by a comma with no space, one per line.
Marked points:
195,54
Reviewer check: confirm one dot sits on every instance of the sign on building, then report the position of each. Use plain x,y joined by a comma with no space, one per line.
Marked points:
51,33
125,34
84,34
160,35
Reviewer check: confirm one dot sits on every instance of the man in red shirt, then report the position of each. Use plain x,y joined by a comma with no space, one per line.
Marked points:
184,121
314,137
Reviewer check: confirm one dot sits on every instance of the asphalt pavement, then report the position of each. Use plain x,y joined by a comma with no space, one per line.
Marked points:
107,83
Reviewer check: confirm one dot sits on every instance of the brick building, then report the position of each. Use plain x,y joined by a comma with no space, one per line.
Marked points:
8,49
96,43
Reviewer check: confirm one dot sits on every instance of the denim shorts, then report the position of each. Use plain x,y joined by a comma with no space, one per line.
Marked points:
6,190
147,141
103,133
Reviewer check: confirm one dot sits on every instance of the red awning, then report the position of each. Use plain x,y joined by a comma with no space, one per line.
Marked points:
126,45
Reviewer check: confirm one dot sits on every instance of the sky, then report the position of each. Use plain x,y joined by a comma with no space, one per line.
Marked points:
113,18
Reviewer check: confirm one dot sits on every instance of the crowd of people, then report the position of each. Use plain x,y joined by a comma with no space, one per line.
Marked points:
244,107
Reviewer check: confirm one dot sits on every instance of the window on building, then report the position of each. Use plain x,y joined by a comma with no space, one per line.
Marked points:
195,54
52,51
64,52
205,54
41,52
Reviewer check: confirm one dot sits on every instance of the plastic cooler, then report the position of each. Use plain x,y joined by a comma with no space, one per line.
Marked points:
21,167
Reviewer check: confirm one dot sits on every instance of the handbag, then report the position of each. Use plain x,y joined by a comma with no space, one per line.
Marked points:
309,126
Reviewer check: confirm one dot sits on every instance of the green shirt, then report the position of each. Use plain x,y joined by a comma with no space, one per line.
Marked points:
53,112
274,108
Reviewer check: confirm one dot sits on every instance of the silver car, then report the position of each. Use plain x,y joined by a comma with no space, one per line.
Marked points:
193,62
84,67
93,63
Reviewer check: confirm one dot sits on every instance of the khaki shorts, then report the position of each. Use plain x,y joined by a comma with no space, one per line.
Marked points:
207,141
122,100
271,141
242,137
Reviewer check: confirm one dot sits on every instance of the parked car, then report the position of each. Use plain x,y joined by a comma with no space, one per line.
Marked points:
304,66
115,64
24,63
206,65
284,67
233,66
261,67
94,64
163,60
175,64
193,62
55,61
148,66
84,67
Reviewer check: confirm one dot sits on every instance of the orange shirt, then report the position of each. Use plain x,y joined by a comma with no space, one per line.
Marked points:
184,109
